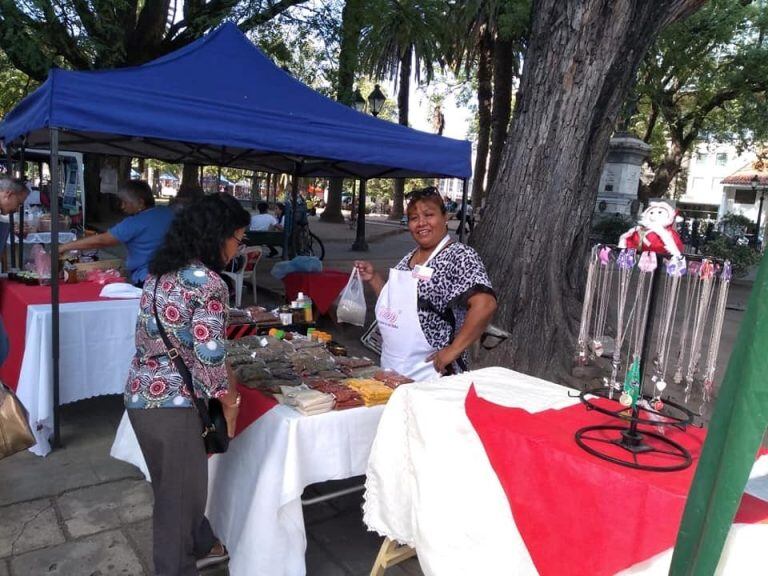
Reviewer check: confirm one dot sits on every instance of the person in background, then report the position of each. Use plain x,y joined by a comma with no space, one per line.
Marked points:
13,193
185,289
437,301
186,195
262,222
142,231
280,216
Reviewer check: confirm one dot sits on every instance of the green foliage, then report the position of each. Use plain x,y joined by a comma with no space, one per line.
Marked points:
741,257
606,230
705,77
15,85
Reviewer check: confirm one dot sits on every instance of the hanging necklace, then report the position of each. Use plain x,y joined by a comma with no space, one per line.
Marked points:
586,310
675,268
706,275
604,295
691,290
717,329
632,385
625,262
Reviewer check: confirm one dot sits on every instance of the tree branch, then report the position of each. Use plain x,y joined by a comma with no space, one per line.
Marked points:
265,16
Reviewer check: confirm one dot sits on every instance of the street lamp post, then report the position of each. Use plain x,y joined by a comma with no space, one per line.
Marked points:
755,183
376,100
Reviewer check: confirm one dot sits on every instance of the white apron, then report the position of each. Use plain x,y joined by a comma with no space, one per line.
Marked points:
405,348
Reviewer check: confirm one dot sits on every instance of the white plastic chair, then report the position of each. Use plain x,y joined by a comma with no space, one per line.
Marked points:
252,256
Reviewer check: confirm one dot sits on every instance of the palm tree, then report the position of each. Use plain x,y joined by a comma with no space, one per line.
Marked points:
491,37
401,35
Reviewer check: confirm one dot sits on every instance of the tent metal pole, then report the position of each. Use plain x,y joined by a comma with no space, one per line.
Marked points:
22,171
360,245
12,234
294,210
54,188
462,223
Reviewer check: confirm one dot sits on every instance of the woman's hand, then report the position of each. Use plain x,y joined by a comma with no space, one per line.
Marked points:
231,407
366,270
368,274
443,358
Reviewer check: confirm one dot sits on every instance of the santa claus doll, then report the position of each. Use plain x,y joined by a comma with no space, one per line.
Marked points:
655,231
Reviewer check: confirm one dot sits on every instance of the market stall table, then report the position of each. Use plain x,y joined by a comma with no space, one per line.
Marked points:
322,287
430,485
254,489
97,344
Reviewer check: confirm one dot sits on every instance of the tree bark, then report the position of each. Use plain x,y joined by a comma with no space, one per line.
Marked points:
398,194
351,25
582,58
484,97
503,65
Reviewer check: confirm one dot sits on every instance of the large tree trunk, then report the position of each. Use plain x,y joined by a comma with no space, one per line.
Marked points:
190,176
398,194
663,175
351,24
484,97
94,209
503,64
582,58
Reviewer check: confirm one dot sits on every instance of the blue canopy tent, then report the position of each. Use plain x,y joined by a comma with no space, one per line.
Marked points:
266,121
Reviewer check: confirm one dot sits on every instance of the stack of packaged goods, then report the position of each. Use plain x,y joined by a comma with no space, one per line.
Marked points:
371,391
304,374
391,378
306,401
345,396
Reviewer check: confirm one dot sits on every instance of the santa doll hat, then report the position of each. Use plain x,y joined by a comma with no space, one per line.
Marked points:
667,205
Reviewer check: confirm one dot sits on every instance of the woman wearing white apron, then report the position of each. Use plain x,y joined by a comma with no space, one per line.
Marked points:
437,301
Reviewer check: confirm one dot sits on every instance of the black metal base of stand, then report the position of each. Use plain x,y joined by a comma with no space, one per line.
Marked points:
637,443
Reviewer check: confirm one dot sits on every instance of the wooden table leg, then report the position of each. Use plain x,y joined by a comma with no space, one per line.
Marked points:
390,553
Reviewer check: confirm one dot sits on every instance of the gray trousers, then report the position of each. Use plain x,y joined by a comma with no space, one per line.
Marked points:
175,456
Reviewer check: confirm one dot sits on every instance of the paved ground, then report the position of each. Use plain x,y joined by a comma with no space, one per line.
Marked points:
78,512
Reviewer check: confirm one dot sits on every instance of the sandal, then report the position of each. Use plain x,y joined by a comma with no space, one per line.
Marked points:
217,555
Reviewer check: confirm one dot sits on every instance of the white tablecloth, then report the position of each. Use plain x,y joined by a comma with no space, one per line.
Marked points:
96,347
430,484
254,490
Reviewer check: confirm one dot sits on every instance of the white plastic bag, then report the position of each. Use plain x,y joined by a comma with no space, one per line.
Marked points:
351,308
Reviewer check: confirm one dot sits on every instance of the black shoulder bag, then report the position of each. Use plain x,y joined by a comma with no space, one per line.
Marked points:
215,435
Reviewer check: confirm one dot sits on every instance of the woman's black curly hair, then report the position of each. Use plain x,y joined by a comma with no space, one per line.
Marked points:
198,233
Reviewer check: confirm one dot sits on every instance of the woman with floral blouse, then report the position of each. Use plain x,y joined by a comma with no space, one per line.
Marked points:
192,303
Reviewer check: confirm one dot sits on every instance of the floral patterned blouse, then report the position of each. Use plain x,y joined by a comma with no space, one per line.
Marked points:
192,304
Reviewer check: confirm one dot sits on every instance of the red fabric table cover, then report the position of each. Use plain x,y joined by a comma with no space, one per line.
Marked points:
254,404
322,287
577,514
14,299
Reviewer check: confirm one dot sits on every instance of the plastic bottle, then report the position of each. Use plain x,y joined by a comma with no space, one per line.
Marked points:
307,309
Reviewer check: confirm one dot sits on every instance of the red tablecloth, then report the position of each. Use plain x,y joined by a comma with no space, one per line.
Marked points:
14,299
577,514
322,287
254,404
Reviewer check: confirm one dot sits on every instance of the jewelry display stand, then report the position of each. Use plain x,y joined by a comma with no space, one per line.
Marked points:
640,447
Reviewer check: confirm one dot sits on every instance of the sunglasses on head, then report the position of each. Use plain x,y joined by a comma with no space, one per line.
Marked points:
423,193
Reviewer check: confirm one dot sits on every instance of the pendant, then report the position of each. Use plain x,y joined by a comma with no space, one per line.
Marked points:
657,405
597,347
661,385
625,399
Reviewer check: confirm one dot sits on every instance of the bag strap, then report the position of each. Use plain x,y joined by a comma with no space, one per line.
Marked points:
178,361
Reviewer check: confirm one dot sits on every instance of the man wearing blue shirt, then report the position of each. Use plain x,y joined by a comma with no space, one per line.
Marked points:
142,232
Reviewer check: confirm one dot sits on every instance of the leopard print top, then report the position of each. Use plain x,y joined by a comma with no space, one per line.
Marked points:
458,274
